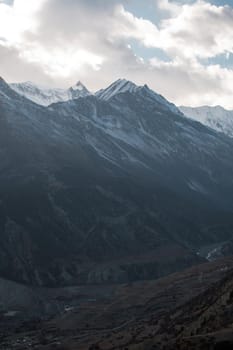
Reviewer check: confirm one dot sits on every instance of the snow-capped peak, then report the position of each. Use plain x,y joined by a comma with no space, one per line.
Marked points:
119,86
4,88
39,94
215,117
3,83
45,96
79,90
122,86
79,86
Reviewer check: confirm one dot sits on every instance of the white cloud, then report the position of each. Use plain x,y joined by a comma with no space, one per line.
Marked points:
191,83
59,41
17,19
20,27
199,29
60,62
166,5
130,26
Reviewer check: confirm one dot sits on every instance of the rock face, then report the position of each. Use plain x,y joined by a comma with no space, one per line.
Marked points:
102,188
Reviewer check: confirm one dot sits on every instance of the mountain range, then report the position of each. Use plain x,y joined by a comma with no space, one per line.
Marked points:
215,117
115,186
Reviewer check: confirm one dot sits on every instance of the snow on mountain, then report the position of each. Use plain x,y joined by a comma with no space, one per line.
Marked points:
216,117
78,90
119,86
46,96
105,181
40,95
122,86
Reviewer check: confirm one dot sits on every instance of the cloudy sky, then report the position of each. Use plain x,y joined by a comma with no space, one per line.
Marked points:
182,49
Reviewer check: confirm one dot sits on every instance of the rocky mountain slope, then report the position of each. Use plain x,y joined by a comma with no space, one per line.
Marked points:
204,322
112,187
216,118
186,310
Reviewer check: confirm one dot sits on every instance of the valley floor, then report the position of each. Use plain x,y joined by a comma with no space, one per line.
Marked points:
186,310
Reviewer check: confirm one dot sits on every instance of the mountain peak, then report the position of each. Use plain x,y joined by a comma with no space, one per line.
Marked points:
79,90
2,81
119,86
79,86
125,85
216,117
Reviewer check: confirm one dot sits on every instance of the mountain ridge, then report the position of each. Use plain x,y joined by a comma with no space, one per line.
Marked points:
95,191
215,117
46,96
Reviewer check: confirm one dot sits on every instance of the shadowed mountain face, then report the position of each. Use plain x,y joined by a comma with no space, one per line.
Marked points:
108,188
